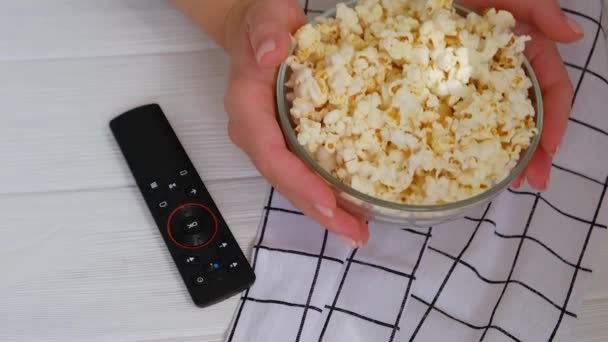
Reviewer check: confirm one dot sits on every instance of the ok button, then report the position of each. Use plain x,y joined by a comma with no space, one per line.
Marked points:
192,226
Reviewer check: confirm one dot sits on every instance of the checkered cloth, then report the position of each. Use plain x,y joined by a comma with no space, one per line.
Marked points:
516,270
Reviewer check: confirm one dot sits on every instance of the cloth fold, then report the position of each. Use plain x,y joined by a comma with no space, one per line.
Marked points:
515,270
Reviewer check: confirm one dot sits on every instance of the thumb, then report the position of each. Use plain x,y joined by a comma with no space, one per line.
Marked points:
269,24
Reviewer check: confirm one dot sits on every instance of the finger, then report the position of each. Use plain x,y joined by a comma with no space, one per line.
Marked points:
537,172
517,182
557,101
546,15
352,230
269,24
556,89
309,194
260,136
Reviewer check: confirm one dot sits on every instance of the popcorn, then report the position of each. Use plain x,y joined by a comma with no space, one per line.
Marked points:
300,107
369,12
332,117
348,20
310,134
306,86
444,59
356,86
407,101
339,80
420,56
403,140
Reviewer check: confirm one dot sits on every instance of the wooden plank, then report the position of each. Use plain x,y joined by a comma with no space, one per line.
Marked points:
54,134
68,29
91,265
206,338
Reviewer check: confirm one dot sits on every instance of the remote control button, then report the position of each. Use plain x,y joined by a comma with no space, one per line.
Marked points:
222,248
172,186
190,260
199,280
153,186
233,266
192,192
192,226
162,207
195,230
184,173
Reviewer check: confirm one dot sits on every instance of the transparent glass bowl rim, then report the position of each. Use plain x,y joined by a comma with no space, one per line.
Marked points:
288,131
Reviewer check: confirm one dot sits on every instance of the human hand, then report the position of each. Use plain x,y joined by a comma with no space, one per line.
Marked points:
544,21
258,41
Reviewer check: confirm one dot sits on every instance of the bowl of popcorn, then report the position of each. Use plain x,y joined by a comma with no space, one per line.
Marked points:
414,111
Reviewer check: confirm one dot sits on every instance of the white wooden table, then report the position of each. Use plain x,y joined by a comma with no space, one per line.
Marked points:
80,257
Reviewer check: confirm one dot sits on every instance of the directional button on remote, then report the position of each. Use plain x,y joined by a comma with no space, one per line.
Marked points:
222,248
192,192
233,266
190,260
192,225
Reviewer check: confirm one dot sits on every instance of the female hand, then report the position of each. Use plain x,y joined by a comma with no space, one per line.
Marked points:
545,22
257,39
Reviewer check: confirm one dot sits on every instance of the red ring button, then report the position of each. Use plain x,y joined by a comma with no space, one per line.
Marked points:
192,226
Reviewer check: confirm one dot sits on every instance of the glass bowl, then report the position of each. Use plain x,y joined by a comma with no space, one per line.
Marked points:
370,207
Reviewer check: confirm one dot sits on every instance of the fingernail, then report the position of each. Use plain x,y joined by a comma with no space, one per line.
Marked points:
546,184
555,151
350,242
574,26
324,211
265,47
517,183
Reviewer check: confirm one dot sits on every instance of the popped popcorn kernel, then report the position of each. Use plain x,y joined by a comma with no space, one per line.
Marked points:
407,101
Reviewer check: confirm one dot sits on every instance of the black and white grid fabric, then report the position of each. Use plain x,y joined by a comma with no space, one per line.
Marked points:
516,270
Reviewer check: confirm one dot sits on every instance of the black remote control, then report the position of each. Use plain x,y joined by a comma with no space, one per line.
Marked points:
206,254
